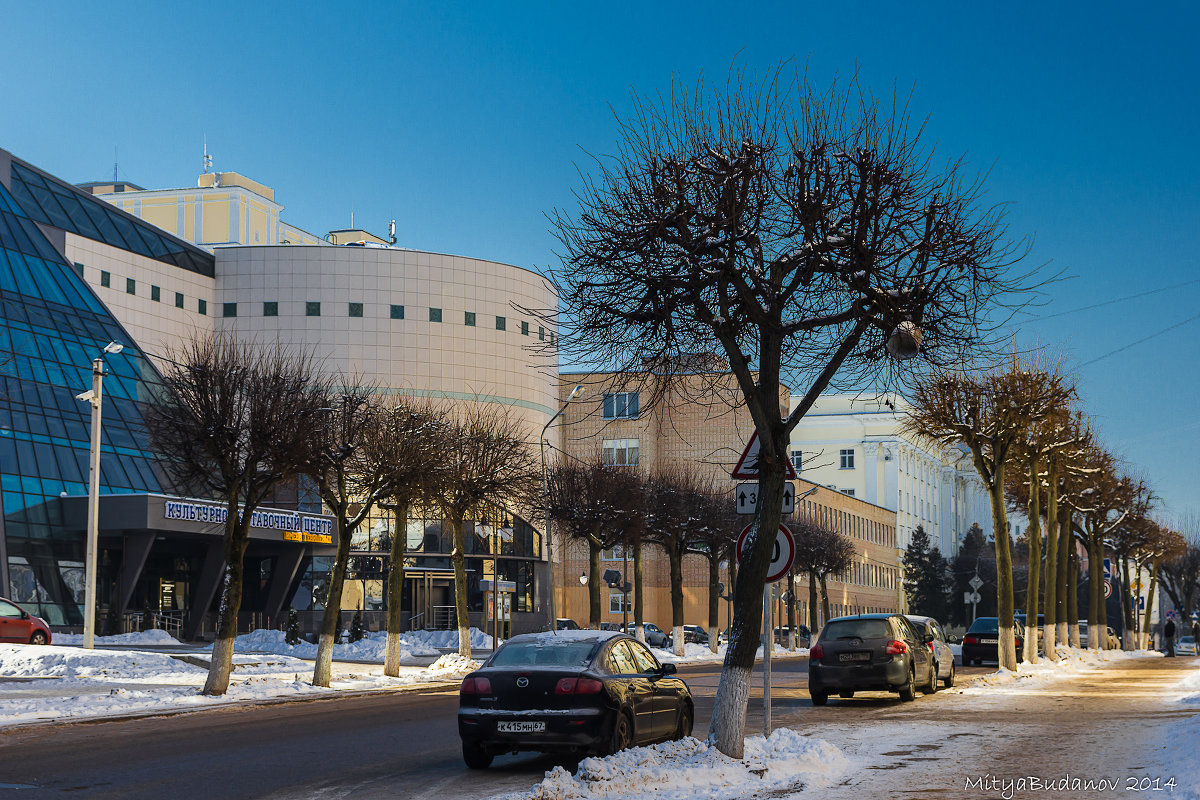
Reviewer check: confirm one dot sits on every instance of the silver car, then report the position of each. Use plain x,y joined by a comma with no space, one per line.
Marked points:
943,656
1186,646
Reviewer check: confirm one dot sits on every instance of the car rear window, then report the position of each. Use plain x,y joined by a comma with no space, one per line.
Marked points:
543,654
857,629
985,625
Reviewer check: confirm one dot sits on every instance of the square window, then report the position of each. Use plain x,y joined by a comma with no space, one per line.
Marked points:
524,328
846,459
797,459
312,308
469,319
229,309
620,452
271,308
202,306
105,278
155,293
130,286
435,315
356,309
179,299
79,268
397,312
501,324
622,405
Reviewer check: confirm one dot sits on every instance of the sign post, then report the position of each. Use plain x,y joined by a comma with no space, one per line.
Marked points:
781,561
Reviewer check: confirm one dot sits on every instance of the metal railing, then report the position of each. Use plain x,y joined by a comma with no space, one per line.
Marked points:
444,618
413,619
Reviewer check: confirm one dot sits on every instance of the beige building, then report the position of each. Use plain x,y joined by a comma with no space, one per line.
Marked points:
699,424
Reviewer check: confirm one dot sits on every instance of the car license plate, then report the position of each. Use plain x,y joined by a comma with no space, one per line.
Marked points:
854,656
521,727
989,641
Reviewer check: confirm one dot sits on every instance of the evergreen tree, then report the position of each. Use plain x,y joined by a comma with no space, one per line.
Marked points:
292,635
925,577
357,633
976,556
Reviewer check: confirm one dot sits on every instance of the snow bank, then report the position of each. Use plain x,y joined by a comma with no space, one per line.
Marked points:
699,654
452,665
1188,689
690,768
371,648
1175,757
140,637
30,661
1071,661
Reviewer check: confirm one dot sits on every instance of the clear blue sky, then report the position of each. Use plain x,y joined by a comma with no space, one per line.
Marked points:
465,123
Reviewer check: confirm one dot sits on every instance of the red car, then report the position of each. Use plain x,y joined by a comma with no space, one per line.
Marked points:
18,625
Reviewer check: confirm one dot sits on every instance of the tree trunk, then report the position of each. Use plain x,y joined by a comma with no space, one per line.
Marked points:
812,605
733,691
1127,641
1033,532
237,536
1096,635
331,621
675,559
1150,596
1050,642
594,614
1102,610
824,599
459,559
639,604
791,608
395,592
1072,588
1060,596
1007,646
714,600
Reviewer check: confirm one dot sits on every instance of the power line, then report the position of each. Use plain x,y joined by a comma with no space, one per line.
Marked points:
1035,318
1143,339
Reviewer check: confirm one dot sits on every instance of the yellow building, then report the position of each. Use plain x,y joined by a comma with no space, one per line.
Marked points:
700,424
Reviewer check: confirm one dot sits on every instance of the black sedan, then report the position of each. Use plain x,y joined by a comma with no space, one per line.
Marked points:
574,692
875,652
982,641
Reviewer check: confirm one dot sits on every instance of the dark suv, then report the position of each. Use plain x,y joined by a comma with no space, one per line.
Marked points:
873,652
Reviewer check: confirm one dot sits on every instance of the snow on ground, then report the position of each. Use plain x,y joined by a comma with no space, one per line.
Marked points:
371,648
691,769
141,637
40,683
699,654
1177,748
1071,661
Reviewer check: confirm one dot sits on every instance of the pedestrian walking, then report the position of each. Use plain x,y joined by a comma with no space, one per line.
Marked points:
1169,637
1196,631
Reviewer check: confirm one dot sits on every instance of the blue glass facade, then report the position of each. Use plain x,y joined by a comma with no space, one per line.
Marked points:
51,327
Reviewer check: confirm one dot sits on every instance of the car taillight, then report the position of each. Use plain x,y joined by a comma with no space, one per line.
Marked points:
817,651
895,648
475,686
972,639
578,686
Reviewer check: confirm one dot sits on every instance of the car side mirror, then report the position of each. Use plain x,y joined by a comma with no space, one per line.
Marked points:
668,669
928,638
24,614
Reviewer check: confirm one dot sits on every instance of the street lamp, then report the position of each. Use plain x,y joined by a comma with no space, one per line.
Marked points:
583,579
95,397
578,390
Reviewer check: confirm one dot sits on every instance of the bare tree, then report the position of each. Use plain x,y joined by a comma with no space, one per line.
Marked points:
820,552
989,413
601,505
408,446
1181,574
236,419
716,542
487,457
804,235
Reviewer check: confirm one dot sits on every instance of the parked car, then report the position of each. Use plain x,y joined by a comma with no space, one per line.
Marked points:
1113,642
655,637
576,692
928,627
18,625
1186,646
566,624
873,652
803,636
695,634
610,626
982,641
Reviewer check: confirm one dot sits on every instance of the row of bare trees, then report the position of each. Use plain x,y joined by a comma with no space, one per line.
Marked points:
1034,447
238,419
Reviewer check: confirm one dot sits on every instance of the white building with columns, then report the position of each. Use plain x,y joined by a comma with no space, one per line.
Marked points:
854,443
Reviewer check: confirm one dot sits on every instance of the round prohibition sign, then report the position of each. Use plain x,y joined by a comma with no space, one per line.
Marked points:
781,558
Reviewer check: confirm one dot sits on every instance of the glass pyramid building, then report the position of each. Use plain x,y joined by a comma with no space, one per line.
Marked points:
51,327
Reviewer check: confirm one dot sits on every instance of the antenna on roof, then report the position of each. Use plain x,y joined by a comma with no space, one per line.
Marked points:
207,157
392,232
114,163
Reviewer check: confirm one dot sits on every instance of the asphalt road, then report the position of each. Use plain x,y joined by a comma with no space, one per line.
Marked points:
394,745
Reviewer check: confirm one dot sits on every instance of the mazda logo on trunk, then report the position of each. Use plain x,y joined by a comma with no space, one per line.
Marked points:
522,682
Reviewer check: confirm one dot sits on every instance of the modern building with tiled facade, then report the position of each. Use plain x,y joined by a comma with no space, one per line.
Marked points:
699,424
78,271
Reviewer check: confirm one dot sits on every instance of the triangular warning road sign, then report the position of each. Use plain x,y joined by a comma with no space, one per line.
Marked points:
747,465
